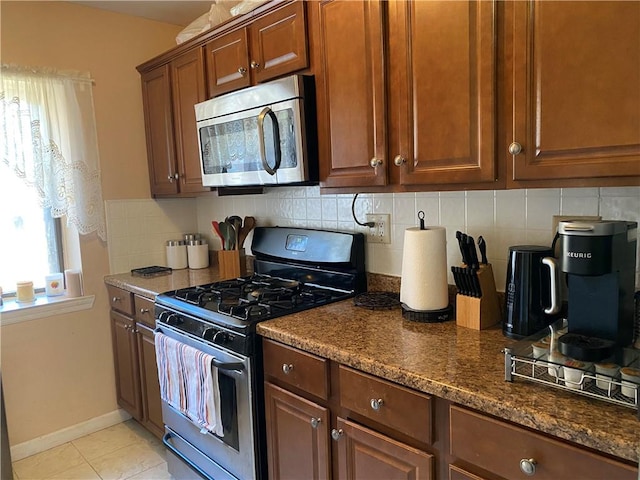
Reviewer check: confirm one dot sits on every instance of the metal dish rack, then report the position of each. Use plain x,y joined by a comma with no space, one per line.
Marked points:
519,361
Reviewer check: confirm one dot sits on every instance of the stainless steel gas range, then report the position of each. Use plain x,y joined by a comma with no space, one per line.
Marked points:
295,270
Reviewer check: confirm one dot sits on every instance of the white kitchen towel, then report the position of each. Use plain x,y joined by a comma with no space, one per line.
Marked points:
189,382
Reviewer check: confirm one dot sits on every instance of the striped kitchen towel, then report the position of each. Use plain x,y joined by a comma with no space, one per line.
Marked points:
189,382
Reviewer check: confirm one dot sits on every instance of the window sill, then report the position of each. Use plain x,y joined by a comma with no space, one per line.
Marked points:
13,312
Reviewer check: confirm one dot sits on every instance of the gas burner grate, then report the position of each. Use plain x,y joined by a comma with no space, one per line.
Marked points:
377,300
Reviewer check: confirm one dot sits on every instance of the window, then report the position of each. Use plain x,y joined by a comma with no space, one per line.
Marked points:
31,238
49,168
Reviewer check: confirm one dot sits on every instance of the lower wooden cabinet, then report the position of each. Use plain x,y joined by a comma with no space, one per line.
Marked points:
134,356
297,436
316,433
125,357
150,387
366,454
512,452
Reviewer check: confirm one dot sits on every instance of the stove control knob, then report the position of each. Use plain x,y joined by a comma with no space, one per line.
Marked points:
209,333
174,319
221,338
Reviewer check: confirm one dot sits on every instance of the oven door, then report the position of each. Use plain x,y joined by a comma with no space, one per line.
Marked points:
259,146
232,455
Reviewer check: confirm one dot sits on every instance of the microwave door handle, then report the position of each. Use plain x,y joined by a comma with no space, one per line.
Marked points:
276,141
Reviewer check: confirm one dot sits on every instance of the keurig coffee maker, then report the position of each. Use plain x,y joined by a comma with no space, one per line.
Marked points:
599,260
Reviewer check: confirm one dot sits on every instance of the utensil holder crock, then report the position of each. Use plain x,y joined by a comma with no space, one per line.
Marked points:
231,264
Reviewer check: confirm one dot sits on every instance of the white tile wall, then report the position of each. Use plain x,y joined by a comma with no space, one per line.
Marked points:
137,229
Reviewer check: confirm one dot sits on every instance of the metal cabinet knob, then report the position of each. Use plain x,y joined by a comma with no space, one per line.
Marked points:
376,404
116,299
254,64
336,434
399,160
315,422
528,466
144,310
515,148
375,162
286,368
242,71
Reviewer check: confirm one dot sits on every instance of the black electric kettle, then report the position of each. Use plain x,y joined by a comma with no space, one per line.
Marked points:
531,291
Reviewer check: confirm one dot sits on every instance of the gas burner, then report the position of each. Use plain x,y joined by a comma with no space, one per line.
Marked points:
270,294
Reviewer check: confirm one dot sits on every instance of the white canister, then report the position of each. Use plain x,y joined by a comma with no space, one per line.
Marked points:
176,254
630,382
54,284
25,292
198,254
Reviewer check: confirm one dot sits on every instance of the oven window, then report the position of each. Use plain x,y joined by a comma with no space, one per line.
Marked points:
229,413
234,146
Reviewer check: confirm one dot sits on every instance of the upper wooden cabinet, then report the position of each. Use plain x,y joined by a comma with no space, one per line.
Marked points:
435,95
351,93
442,78
575,90
269,47
169,93
403,89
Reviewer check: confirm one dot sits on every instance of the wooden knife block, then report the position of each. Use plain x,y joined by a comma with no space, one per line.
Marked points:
483,312
231,264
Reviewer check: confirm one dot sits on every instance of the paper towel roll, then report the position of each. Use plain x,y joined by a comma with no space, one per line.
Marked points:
73,280
423,285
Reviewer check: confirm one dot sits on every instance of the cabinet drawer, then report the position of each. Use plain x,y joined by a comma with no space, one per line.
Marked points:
296,368
120,300
397,407
144,311
499,447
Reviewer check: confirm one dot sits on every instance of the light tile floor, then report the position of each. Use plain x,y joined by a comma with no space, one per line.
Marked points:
124,451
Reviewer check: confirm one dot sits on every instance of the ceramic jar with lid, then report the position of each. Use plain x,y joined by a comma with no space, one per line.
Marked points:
198,254
630,382
176,254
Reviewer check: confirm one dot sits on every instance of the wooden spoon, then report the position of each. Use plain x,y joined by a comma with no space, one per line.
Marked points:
248,225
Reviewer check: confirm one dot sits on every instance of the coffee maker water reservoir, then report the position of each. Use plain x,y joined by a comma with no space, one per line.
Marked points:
599,260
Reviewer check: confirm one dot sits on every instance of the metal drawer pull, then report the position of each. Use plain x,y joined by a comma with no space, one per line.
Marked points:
116,299
376,404
144,310
286,369
242,71
336,434
254,64
315,422
528,466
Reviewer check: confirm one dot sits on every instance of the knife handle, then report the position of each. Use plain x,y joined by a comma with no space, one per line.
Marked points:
472,252
482,245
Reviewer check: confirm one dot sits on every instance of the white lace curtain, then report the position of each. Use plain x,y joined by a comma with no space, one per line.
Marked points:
48,138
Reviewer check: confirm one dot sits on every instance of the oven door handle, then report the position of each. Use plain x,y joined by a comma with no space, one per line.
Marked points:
237,366
276,140
165,440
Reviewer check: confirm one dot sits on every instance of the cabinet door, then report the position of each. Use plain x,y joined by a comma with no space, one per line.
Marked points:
227,63
351,93
279,43
150,387
158,120
576,89
443,69
125,356
365,454
188,88
297,436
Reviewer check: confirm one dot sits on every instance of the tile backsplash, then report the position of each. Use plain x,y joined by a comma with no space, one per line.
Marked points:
138,229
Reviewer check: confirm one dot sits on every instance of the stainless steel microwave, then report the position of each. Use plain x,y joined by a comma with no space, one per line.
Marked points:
262,135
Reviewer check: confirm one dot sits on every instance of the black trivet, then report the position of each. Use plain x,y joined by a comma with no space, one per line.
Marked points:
154,271
377,300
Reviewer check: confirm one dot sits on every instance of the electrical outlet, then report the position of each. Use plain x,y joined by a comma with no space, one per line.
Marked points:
381,231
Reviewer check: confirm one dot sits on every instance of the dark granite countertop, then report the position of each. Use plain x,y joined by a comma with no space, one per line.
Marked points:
459,364
150,287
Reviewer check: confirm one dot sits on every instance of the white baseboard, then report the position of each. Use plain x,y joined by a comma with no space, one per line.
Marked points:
40,444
